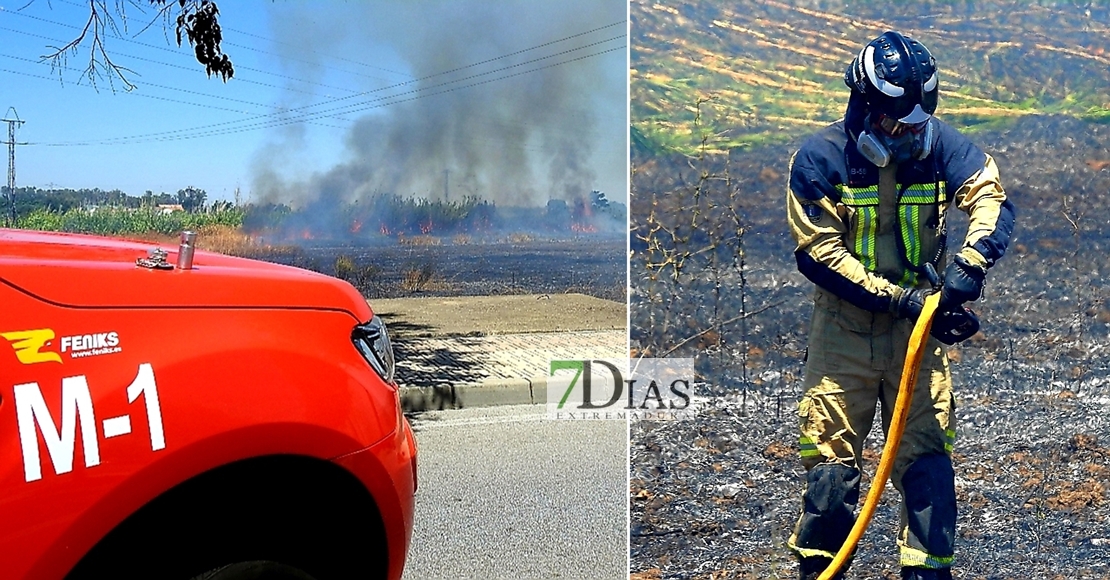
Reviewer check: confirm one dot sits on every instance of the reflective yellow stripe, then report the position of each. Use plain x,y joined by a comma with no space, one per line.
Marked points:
808,447
920,194
807,552
912,557
858,196
866,228
949,440
910,225
866,202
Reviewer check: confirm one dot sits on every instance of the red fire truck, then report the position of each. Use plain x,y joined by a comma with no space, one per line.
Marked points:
180,414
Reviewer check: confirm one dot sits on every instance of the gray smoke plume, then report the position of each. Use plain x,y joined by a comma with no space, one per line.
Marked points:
556,133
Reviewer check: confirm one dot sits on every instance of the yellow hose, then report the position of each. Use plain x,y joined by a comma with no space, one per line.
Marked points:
914,353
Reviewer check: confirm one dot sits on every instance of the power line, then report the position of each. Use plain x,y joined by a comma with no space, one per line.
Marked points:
299,47
276,120
247,80
155,137
531,48
158,86
522,51
280,117
125,39
135,94
153,46
308,118
287,57
305,113
302,48
193,68
254,49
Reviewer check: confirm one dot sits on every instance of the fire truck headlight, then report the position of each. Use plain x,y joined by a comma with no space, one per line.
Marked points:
372,341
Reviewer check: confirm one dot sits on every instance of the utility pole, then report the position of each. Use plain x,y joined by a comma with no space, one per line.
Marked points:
12,121
446,185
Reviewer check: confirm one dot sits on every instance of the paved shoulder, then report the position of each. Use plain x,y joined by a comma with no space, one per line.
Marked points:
469,315
495,350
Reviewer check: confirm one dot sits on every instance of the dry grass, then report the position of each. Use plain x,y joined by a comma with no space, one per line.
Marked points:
221,239
227,240
418,240
519,238
361,276
423,278
461,239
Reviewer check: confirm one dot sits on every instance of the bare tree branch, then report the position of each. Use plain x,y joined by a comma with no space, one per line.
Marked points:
197,19
724,323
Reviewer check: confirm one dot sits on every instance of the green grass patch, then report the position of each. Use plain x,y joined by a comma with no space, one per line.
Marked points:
116,221
779,71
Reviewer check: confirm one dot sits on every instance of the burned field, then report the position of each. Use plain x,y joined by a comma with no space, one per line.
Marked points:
391,247
717,497
713,278
589,263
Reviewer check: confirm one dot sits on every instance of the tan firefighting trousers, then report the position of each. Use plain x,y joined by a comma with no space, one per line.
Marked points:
855,361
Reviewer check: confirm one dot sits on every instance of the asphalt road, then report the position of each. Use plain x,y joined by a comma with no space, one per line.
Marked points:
506,493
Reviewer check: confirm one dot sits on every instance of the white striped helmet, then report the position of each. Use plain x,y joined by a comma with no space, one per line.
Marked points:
898,77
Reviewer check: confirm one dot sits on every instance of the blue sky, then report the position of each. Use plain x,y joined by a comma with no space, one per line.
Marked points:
518,101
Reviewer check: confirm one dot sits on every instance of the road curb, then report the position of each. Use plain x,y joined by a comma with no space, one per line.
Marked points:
487,393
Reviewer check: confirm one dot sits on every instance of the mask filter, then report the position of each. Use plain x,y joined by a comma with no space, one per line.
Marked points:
873,149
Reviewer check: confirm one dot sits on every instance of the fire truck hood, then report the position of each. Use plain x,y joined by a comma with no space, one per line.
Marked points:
90,271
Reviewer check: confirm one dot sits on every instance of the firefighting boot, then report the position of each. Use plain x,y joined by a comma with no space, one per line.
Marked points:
926,574
810,568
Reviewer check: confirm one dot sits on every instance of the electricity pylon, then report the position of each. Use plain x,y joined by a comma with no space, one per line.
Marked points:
12,120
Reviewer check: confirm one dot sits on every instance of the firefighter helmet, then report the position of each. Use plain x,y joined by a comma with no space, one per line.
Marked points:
897,76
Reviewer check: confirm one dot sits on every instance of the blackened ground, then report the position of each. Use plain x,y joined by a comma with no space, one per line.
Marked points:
713,278
592,264
717,497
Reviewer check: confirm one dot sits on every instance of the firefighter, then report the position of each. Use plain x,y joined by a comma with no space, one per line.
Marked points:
866,203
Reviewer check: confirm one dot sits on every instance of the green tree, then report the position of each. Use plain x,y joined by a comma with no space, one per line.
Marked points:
192,199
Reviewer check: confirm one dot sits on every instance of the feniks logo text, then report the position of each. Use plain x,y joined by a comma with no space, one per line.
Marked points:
40,345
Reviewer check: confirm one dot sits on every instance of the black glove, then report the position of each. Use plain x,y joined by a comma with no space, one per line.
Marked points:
910,303
956,325
963,282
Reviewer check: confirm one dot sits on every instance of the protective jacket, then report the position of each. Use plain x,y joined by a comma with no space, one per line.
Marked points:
863,242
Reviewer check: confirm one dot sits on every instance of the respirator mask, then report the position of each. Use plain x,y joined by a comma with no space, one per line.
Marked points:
894,94
886,139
